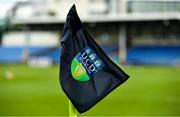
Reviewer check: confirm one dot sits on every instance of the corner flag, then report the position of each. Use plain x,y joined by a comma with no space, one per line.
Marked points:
87,74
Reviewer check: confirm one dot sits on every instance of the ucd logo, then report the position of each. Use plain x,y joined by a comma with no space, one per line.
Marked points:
85,65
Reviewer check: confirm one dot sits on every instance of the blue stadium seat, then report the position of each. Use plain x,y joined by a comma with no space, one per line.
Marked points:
10,55
161,55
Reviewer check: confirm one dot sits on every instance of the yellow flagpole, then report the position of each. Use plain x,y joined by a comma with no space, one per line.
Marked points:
72,110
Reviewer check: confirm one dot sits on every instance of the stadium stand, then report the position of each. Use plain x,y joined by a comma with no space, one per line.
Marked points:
148,55
15,54
160,55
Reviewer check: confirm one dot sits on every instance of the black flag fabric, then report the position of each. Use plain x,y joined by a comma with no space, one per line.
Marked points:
87,74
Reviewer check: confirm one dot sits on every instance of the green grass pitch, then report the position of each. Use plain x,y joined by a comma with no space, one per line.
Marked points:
36,91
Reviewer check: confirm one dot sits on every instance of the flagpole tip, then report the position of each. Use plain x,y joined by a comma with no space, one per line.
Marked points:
73,6
73,10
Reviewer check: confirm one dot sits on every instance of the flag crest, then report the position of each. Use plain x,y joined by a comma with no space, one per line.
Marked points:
87,74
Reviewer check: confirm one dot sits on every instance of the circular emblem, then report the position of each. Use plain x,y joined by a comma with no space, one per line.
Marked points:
78,71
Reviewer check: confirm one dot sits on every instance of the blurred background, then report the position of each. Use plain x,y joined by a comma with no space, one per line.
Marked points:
141,36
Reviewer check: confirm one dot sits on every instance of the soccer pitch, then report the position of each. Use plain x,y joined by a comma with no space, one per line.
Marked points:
36,91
